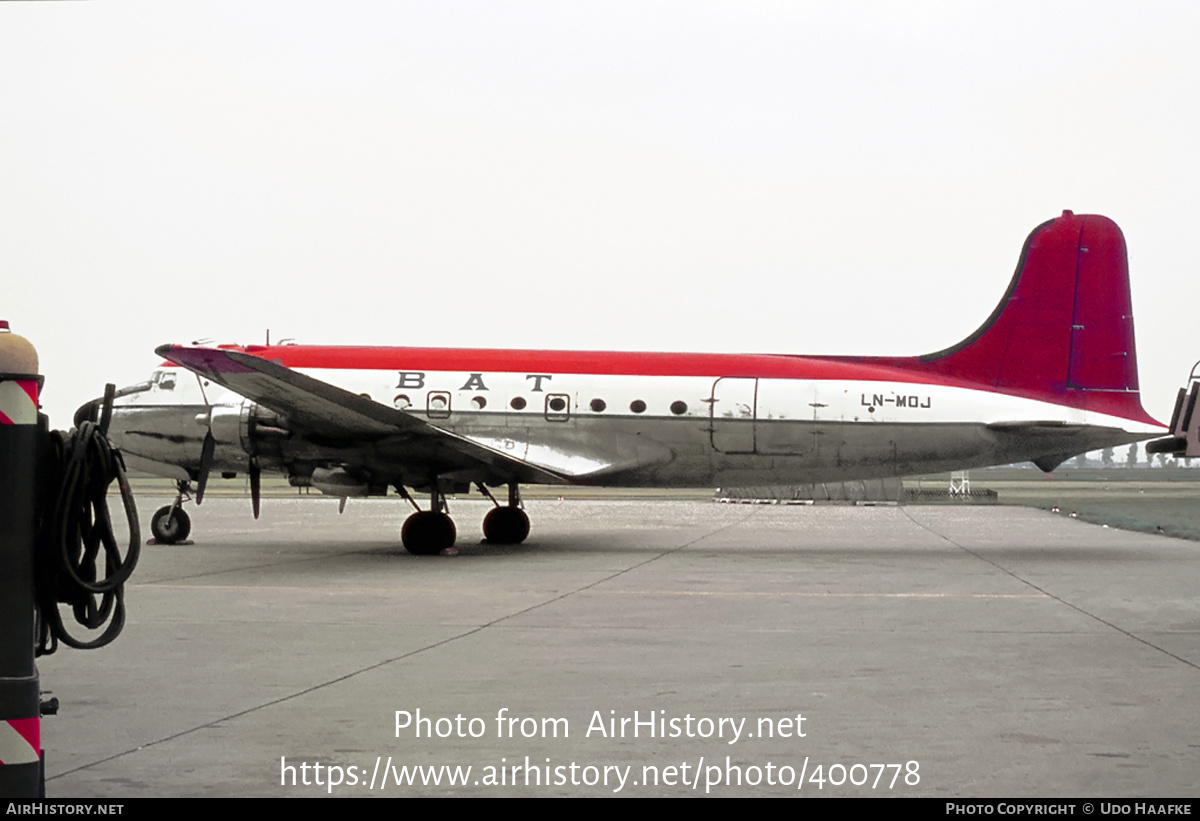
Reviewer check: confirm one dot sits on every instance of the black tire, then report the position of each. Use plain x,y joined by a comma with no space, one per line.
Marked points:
168,528
505,525
428,533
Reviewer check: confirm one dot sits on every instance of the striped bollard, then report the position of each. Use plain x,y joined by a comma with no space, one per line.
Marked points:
21,773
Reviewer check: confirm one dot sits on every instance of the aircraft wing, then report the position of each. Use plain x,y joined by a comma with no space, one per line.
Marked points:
324,412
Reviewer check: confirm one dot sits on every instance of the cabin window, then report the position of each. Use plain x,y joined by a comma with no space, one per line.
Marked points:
438,404
518,403
558,407
637,406
598,405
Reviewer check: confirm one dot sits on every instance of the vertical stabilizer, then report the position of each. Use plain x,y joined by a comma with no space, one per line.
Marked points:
1064,330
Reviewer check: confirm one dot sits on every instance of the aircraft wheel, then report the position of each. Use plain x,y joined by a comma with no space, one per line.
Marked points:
168,528
505,525
427,533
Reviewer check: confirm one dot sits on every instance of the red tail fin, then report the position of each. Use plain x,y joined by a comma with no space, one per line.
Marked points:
1064,330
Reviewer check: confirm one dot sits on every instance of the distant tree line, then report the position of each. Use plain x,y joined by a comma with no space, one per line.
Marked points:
1132,456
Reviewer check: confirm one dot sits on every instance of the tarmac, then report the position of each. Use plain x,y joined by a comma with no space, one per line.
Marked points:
641,648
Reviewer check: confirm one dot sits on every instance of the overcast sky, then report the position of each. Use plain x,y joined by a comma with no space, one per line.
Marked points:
781,177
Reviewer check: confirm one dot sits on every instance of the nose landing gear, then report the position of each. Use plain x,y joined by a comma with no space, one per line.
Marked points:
170,524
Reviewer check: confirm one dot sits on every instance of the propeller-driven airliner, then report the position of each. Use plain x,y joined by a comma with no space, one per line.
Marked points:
1050,374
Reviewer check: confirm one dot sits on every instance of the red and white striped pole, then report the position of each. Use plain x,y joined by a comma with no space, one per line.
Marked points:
21,774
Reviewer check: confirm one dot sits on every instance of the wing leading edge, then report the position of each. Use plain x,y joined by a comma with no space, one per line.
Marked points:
318,410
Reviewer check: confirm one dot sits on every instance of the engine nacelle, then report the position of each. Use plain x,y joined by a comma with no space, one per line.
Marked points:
229,430
241,431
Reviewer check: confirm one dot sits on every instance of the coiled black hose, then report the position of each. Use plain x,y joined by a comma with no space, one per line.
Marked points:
77,470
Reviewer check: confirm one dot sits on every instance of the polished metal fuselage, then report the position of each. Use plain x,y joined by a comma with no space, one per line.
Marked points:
615,430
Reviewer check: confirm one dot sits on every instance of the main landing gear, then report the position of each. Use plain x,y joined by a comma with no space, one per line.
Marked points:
505,525
171,524
429,532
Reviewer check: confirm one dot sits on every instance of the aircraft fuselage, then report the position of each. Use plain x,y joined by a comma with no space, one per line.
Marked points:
1050,374
635,430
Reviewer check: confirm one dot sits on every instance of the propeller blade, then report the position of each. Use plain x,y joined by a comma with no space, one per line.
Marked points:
255,487
206,461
